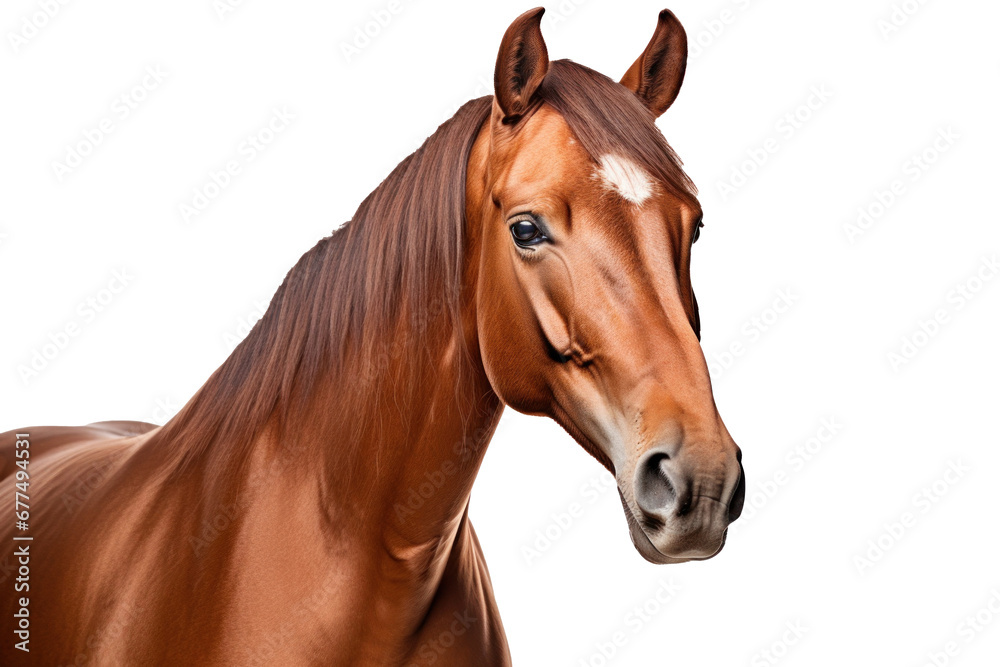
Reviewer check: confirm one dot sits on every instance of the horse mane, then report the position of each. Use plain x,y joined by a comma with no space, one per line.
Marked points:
356,301
351,304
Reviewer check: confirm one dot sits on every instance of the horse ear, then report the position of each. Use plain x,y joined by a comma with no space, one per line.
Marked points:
657,74
521,65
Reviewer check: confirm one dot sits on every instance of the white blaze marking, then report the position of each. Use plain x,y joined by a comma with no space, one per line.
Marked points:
625,178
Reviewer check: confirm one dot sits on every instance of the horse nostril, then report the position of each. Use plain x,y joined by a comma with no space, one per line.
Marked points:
659,488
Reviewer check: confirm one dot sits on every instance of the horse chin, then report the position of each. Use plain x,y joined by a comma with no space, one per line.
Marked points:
648,551
653,555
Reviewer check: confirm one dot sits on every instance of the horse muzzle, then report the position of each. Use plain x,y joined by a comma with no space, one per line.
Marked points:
678,511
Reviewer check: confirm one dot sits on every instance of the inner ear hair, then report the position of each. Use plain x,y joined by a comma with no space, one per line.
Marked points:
521,65
657,74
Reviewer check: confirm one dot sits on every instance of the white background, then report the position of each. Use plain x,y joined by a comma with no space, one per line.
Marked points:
794,559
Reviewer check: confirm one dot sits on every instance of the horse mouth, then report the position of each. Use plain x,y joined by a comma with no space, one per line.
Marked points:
644,545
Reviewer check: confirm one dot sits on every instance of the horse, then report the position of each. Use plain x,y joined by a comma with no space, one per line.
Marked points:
310,503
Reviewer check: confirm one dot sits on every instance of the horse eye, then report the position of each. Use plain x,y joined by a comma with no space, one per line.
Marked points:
697,232
526,233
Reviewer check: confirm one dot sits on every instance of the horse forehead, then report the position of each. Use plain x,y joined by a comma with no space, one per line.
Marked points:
548,151
546,147
547,126
624,177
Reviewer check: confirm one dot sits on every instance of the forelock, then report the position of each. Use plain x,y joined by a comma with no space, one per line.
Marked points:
616,130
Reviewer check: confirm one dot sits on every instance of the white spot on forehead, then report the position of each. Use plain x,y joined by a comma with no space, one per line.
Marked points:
625,177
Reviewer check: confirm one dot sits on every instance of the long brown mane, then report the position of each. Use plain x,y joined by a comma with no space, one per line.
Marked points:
359,296
401,253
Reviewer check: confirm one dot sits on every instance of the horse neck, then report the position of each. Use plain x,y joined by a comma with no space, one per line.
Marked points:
380,458
428,420
416,452
405,478
413,454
